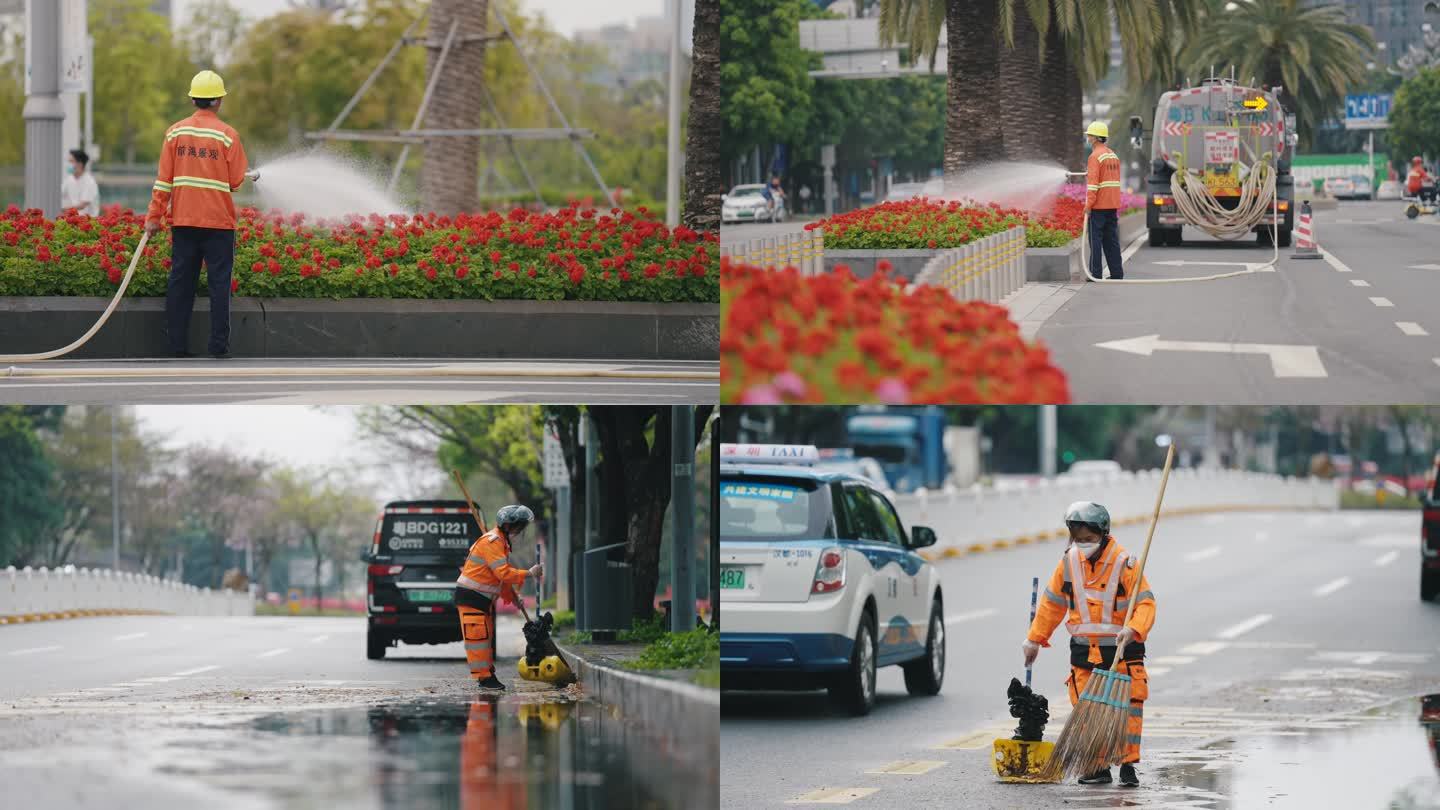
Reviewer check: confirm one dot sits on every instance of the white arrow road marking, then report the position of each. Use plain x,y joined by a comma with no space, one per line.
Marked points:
973,614
30,650
129,636
1334,262
1425,267
1235,631
1286,361
196,671
1359,282
1202,554
274,652
1382,302
1332,586
1203,648
1411,328
1386,558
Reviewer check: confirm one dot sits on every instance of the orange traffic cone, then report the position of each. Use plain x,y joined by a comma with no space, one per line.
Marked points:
1305,246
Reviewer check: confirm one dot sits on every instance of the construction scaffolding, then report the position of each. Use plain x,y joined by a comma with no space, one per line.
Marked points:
415,134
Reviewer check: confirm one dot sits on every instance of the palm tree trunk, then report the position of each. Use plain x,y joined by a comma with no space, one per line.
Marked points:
1061,111
703,186
973,134
1073,154
449,175
1024,98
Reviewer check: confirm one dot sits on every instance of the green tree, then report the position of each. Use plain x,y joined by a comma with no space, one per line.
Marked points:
764,81
1415,115
328,515
26,473
1314,52
141,77
213,28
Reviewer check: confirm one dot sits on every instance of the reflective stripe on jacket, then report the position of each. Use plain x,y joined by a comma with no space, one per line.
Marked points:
487,567
1098,587
201,164
1102,179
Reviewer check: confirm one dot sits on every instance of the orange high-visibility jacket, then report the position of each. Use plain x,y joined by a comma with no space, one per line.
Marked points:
1102,179
201,164
487,569
1105,589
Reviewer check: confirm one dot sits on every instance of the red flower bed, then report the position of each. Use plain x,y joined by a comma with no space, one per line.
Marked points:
787,338
571,254
924,223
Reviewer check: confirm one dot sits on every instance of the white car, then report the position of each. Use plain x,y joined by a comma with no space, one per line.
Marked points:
1339,187
747,203
820,583
1390,190
1361,187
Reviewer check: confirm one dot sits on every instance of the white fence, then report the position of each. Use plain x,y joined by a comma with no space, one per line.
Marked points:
984,270
30,593
805,251
984,515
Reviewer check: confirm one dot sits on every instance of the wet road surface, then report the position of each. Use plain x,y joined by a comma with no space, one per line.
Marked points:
315,725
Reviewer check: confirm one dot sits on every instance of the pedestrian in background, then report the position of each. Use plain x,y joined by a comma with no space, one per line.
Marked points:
1102,203
1090,590
78,190
201,165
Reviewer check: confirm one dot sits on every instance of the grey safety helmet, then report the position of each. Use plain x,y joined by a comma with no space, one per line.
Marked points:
514,514
1089,513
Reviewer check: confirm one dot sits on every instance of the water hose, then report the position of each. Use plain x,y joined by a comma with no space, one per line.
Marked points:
104,316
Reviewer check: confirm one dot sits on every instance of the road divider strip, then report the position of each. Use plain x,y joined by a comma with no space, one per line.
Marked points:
29,594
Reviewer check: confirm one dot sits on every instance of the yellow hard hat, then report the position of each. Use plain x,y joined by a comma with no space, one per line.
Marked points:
207,84
1099,129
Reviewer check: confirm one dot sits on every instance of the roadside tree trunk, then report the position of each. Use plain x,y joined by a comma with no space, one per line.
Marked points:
703,184
450,173
1024,99
973,133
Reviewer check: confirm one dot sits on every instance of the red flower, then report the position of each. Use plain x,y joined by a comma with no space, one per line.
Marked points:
430,273
234,284
257,267
462,271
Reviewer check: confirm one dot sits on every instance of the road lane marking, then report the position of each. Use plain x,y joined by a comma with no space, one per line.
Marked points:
1202,554
1203,647
32,650
274,652
1262,537
196,671
1332,586
1236,630
1382,302
106,689
979,739
1359,282
1386,558
1334,262
1173,660
956,618
1285,360
1157,670
318,639
1133,248
909,767
1411,328
129,636
833,796
161,678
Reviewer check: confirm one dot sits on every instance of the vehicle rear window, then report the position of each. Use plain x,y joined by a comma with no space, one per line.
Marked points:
756,508
423,534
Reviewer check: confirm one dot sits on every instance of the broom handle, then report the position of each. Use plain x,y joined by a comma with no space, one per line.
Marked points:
1150,535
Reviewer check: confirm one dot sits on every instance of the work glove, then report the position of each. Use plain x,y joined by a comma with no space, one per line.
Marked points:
1030,649
253,175
538,569
152,226
1123,639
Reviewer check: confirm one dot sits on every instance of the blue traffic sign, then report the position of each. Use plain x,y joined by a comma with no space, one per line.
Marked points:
1367,111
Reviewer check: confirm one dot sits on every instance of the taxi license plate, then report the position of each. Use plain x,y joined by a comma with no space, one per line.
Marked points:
732,578
430,596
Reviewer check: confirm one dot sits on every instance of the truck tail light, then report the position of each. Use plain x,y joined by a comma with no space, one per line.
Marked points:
829,572
378,570
1284,205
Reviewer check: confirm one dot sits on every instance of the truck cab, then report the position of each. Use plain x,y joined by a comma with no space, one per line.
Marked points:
910,445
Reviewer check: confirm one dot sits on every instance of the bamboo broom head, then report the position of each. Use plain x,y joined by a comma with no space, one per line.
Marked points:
1094,734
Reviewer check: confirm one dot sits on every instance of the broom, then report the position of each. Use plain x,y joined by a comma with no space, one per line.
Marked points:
1094,734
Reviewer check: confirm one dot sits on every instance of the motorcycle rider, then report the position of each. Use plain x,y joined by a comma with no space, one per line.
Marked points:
1418,182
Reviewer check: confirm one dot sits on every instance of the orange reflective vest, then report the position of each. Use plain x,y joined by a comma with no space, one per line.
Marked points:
1104,588
487,568
1102,179
201,164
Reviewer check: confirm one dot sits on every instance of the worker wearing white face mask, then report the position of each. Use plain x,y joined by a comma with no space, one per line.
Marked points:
1090,591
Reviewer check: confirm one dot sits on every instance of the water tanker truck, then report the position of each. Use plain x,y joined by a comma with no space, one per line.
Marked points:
1219,163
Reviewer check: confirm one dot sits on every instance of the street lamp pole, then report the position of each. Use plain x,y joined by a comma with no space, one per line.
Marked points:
114,494
43,111
682,506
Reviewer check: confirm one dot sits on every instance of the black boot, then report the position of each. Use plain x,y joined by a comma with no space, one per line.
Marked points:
1097,778
1128,777
493,682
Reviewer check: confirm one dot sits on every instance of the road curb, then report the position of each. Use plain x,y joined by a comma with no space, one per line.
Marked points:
683,717
25,618
1000,544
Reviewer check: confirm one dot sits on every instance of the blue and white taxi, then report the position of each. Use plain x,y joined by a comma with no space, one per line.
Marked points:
819,582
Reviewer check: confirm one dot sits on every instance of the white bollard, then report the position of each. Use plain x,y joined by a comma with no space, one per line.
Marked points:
9,592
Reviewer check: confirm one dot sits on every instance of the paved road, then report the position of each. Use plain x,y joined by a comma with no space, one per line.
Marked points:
739,234
1358,327
272,712
1265,624
359,381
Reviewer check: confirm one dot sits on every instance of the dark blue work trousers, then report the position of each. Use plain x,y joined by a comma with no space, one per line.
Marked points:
1105,240
190,246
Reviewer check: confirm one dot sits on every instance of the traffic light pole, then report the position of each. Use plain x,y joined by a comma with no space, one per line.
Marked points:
682,505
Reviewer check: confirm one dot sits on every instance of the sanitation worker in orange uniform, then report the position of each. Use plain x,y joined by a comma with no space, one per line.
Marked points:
487,576
1090,592
1102,203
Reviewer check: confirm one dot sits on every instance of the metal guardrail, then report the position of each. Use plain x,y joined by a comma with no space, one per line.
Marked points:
987,269
30,594
804,251
975,517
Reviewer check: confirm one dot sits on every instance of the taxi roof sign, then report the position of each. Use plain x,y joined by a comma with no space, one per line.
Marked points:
805,454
